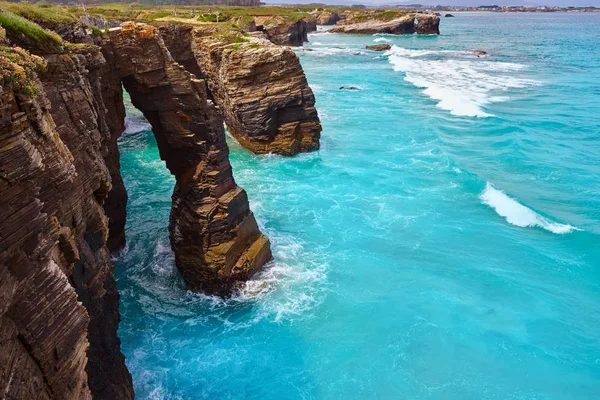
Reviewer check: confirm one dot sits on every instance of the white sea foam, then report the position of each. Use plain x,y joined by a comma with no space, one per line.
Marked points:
460,83
381,39
517,214
135,124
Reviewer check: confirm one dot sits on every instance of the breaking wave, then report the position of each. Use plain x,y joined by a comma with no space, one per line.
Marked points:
517,214
459,81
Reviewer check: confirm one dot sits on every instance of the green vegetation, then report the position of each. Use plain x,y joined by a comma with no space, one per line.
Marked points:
17,25
378,16
96,31
42,13
17,68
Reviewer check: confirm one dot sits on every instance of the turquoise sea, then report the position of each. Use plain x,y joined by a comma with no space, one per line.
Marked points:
444,243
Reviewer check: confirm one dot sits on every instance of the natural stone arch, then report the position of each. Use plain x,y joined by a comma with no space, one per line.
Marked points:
213,232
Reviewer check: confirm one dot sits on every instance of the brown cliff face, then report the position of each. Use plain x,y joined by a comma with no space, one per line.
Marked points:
73,84
328,18
397,26
368,23
58,303
213,232
428,24
260,89
282,31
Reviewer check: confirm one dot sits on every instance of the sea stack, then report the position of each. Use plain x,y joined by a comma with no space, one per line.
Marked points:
214,235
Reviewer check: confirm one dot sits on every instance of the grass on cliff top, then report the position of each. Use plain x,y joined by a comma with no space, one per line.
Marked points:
203,13
384,16
42,13
17,25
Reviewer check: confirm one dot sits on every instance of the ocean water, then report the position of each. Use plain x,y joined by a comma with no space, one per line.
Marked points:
444,243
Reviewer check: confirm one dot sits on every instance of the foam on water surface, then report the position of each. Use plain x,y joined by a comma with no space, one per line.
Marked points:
462,85
398,272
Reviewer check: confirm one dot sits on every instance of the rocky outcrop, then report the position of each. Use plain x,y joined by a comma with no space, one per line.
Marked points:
62,204
328,18
423,24
379,47
260,88
282,30
428,24
58,301
402,25
311,24
214,235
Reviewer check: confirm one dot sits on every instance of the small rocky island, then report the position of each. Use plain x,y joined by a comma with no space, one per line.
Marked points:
63,201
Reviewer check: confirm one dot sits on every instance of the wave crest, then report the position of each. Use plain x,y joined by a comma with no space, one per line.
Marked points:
517,214
458,80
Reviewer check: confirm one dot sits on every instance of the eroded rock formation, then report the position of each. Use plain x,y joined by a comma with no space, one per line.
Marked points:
284,31
215,237
62,204
328,18
401,25
406,24
428,24
58,301
260,89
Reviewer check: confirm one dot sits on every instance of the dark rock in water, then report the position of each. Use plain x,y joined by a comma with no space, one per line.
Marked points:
349,88
428,24
379,47
397,26
449,16
479,52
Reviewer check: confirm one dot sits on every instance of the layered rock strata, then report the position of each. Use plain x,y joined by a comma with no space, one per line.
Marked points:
58,301
422,24
284,31
428,24
60,117
260,89
214,235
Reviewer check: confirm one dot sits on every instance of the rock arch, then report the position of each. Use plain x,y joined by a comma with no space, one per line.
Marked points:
213,232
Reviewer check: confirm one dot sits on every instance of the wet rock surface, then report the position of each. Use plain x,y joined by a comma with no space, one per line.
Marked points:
379,47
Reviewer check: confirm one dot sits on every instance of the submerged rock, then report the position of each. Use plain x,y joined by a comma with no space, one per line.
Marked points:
479,52
449,16
379,47
349,88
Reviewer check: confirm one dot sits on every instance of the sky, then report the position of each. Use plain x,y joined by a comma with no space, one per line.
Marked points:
577,3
